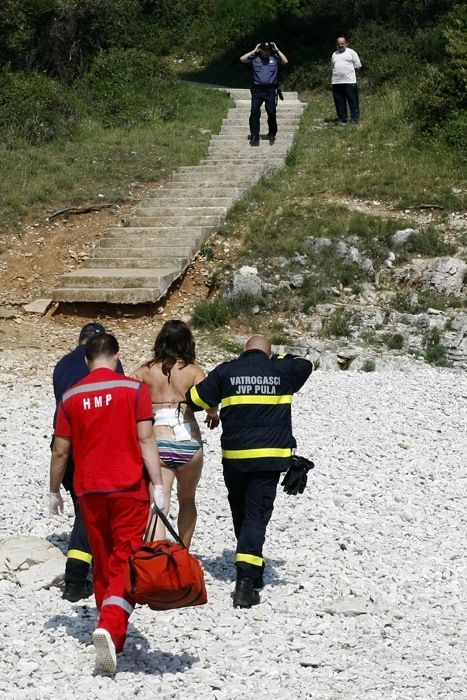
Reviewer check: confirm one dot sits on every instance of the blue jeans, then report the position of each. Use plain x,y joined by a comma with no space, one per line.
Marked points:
344,93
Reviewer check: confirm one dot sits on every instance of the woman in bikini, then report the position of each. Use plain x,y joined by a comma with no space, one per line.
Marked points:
169,375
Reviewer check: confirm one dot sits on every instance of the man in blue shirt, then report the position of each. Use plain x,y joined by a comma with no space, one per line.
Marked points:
265,60
69,370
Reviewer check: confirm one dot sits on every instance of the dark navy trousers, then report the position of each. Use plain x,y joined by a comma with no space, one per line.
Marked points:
346,94
79,555
259,95
251,497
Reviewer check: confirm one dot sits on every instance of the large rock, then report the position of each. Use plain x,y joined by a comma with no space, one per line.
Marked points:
296,281
39,306
349,607
403,235
369,316
445,275
319,243
246,281
31,561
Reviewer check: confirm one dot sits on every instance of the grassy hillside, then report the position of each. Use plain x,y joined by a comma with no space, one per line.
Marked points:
98,160
383,165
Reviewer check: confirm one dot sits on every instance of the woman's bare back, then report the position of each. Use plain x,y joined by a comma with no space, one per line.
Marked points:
170,392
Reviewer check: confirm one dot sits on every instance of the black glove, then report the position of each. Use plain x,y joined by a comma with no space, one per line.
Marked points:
295,479
279,94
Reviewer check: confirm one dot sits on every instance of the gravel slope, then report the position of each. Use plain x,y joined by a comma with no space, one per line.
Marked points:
380,531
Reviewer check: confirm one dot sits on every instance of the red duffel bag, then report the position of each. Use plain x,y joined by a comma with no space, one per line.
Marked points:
163,574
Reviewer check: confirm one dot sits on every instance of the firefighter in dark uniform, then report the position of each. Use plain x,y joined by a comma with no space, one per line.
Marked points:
255,392
68,371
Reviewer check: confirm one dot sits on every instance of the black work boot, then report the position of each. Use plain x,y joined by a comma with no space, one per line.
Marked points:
77,591
258,583
254,141
245,594
272,139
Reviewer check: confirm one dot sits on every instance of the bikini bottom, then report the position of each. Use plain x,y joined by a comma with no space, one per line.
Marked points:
176,453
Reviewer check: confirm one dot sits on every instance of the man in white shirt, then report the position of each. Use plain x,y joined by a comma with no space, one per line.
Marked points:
345,62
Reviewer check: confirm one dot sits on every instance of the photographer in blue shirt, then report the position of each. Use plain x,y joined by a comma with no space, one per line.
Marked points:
265,60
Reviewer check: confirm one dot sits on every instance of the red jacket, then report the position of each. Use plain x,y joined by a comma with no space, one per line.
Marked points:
100,415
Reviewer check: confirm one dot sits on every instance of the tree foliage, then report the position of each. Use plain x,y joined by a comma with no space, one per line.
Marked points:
420,41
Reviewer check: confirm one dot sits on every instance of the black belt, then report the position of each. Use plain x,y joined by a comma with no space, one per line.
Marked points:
265,86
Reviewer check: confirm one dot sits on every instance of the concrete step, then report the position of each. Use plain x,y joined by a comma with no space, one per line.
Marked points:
175,189
128,246
241,138
281,104
222,166
103,277
249,158
172,233
109,295
182,220
161,209
243,118
246,109
147,259
190,202
263,150
185,220
242,179
245,93
242,121
243,133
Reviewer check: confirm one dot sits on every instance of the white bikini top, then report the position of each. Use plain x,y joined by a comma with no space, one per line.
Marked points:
173,418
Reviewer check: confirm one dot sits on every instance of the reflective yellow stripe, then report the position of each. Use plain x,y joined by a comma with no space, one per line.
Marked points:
78,554
280,357
195,397
258,452
249,559
238,400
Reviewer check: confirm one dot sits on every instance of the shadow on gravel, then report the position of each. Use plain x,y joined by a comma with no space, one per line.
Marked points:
222,568
138,656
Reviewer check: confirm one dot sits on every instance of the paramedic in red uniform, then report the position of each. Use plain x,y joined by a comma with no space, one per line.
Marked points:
108,420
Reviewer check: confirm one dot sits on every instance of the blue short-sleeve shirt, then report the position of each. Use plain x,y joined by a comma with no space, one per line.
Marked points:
265,70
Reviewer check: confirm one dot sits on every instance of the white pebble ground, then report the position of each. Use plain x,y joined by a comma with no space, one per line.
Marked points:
381,530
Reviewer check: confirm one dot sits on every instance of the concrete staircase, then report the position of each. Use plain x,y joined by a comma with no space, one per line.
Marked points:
138,262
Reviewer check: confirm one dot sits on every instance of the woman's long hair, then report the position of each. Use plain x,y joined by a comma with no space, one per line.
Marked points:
173,343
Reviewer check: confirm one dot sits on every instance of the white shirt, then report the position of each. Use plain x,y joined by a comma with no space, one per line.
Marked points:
343,66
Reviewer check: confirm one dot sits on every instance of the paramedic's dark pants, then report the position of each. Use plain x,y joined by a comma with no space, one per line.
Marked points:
344,93
79,553
251,498
258,96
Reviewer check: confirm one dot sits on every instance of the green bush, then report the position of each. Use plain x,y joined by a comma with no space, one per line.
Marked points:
429,242
313,295
403,302
35,107
338,325
435,352
454,131
211,314
216,313
368,366
395,341
386,53
438,103
127,87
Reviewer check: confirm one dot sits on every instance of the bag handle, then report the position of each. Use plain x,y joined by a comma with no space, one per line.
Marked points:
158,513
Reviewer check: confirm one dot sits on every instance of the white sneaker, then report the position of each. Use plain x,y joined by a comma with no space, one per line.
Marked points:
106,658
